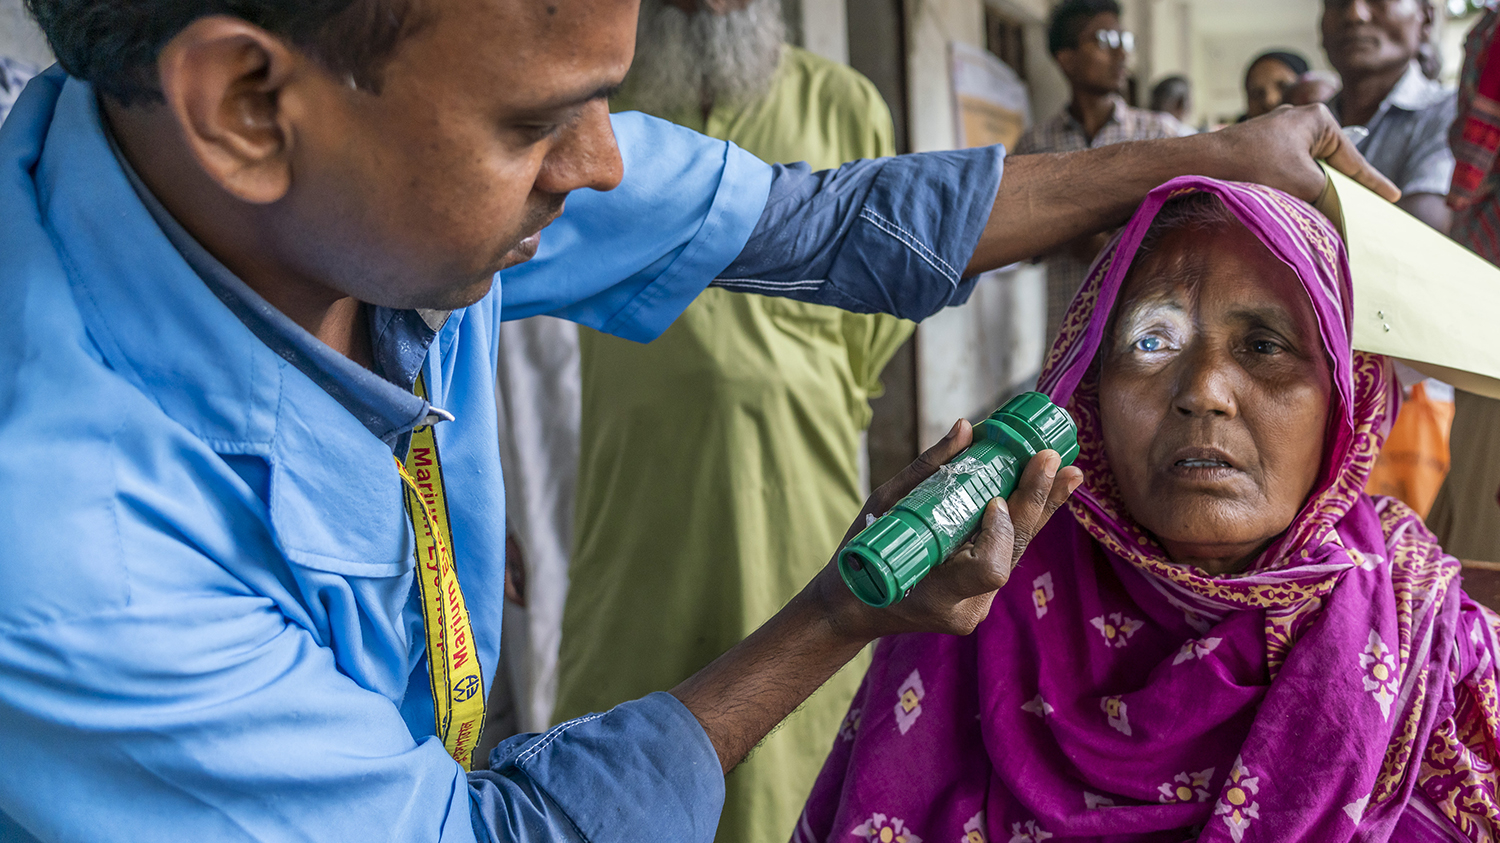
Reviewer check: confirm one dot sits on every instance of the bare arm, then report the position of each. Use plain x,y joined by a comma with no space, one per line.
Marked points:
1045,201
743,694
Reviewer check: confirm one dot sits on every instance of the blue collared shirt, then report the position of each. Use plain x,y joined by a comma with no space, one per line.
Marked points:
207,629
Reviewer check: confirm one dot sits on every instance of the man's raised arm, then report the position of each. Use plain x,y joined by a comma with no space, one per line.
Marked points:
908,235
1047,200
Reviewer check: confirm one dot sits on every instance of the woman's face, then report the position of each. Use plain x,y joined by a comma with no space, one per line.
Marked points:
1214,396
1266,86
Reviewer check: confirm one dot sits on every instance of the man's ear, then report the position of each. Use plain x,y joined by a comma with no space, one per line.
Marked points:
1429,20
223,80
1066,59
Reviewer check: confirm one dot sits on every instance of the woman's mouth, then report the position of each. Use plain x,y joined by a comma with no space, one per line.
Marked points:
1201,464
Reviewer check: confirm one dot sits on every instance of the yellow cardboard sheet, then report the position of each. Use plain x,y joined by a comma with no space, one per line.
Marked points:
1418,296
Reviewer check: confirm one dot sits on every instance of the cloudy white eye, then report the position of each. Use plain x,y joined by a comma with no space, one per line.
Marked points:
1149,344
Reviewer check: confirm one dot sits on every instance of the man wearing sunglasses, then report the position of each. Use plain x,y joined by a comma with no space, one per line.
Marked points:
1091,47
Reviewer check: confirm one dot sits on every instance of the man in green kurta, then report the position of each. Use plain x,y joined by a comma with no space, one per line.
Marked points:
720,465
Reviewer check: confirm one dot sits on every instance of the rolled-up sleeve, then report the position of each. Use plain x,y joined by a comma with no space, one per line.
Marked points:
891,235
643,770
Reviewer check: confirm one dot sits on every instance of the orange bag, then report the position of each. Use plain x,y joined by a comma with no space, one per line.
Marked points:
1414,461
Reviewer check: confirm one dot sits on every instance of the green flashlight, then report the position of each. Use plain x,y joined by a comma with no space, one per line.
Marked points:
893,553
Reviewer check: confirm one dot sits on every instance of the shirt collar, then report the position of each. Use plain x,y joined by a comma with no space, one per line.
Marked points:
382,399
1415,91
1116,115
1412,92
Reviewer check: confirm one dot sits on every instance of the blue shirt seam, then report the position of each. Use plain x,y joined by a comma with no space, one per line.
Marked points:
911,242
553,734
805,284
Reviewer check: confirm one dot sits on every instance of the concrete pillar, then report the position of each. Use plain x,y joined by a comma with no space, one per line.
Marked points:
819,26
930,26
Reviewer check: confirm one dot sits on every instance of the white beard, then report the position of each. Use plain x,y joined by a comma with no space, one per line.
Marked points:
683,61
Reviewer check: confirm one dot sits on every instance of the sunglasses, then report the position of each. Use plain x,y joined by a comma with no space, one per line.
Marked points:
1114,39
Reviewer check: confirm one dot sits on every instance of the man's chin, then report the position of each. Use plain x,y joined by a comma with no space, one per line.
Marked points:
454,298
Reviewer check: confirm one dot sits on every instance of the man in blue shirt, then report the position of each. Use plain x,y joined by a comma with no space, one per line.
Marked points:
238,235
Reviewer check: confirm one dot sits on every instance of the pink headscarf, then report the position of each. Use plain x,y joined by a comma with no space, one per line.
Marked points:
1342,688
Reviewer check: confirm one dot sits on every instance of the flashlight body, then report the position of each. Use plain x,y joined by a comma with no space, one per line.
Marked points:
892,554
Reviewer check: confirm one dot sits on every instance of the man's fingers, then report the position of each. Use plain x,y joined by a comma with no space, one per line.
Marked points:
985,563
1335,147
1068,480
959,437
1029,502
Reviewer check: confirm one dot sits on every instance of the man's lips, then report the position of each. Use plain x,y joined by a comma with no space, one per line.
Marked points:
1358,40
525,250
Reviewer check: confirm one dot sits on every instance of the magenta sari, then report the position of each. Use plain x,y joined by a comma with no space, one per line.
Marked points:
1342,688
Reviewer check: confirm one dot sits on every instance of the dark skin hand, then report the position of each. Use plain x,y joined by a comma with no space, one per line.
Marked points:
515,572
744,693
323,198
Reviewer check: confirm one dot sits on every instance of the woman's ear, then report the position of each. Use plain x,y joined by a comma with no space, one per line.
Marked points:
223,80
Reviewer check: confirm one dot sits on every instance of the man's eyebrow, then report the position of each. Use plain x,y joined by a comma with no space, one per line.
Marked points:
603,92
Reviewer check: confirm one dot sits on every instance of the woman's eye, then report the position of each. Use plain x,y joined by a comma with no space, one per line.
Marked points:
1264,347
1149,344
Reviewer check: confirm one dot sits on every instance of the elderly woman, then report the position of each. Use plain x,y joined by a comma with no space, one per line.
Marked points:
1226,640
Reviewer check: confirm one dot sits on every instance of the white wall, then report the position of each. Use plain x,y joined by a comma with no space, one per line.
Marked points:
19,36
930,26
1049,89
819,26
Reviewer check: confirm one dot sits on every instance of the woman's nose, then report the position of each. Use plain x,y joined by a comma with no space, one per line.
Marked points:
1206,385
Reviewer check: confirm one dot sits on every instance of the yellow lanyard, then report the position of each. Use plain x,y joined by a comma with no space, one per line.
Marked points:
452,664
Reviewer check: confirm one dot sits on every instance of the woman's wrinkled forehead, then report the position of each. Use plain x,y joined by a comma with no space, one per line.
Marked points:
1301,238
1224,264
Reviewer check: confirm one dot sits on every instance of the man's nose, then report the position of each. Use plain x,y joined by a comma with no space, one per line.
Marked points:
585,155
1206,384
1356,11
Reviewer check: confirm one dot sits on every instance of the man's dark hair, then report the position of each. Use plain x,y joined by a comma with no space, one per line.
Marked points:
1173,89
1070,17
115,43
